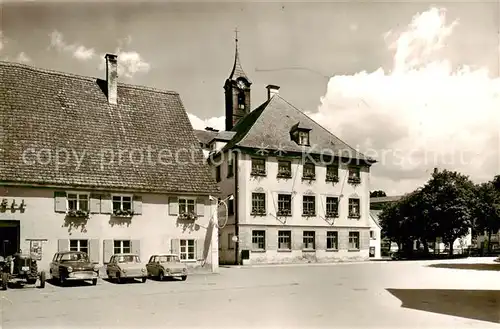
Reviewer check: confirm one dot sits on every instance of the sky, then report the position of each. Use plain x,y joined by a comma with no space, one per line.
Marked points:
413,84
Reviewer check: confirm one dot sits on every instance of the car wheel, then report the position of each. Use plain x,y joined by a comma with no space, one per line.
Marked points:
94,282
161,277
144,279
118,278
42,279
184,277
62,279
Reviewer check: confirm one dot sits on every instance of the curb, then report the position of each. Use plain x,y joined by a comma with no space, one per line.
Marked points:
301,264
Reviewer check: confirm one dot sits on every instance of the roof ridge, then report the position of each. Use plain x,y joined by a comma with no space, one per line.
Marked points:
329,132
85,77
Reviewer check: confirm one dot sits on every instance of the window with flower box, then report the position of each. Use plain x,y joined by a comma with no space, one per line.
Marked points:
77,204
187,208
332,207
309,171
258,204
354,175
354,211
332,173
122,205
284,205
308,205
258,167
284,169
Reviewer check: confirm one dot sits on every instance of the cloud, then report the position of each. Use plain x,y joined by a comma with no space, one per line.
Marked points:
129,62
197,123
420,115
78,51
23,58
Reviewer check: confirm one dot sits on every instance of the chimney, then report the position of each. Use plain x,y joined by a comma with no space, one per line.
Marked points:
112,78
272,90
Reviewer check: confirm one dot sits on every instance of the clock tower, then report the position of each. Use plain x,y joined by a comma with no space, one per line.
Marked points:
237,93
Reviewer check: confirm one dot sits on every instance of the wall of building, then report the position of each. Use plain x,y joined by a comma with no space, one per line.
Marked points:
375,240
152,231
271,186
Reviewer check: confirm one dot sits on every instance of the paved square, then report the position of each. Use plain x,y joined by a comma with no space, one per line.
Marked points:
367,295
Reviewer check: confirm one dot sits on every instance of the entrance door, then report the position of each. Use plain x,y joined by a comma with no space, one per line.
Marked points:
10,237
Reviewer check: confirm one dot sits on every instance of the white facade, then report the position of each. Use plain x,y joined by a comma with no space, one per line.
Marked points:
152,229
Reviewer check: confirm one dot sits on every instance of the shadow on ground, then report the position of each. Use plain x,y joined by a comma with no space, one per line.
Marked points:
483,305
477,267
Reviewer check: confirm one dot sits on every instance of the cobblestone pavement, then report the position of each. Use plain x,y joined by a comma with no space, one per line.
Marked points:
368,295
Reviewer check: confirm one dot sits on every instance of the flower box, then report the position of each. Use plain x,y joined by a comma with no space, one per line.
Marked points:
308,213
332,178
188,216
331,214
77,213
354,215
258,212
258,172
285,212
354,180
284,174
123,213
309,176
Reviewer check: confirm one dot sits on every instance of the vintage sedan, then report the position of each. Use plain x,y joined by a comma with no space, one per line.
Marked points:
166,266
126,266
73,266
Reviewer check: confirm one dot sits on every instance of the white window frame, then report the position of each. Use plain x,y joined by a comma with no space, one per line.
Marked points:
303,137
187,198
77,200
186,251
131,196
78,245
121,246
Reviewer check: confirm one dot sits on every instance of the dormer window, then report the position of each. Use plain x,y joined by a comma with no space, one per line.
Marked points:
303,137
300,134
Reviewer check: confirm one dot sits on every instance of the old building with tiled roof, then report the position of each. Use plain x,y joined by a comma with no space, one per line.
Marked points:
294,192
99,166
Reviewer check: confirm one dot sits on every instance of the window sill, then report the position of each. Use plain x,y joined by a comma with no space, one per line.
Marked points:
258,250
354,217
353,250
284,177
308,250
308,215
258,214
283,215
332,250
258,175
284,250
308,178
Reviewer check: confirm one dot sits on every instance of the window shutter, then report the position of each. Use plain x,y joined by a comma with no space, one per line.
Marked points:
95,203
200,248
108,251
136,247
62,245
60,201
173,206
176,246
94,250
106,204
137,205
200,207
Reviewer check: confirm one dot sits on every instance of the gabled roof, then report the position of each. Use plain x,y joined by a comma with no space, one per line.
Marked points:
268,127
47,112
206,136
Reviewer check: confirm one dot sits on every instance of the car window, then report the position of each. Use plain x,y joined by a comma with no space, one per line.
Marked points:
55,257
151,259
173,259
78,257
128,259
112,260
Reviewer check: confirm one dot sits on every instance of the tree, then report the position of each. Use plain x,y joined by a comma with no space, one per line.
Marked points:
449,199
496,182
487,209
377,194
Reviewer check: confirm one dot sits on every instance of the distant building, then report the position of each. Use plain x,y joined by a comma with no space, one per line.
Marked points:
288,206
102,167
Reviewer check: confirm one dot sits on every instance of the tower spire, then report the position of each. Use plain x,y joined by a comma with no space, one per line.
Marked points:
237,71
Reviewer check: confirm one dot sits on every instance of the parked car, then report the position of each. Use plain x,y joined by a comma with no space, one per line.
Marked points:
166,266
73,266
126,266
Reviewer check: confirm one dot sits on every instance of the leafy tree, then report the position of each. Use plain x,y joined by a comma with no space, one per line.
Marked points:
487,209
449,199
496,182
377,194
